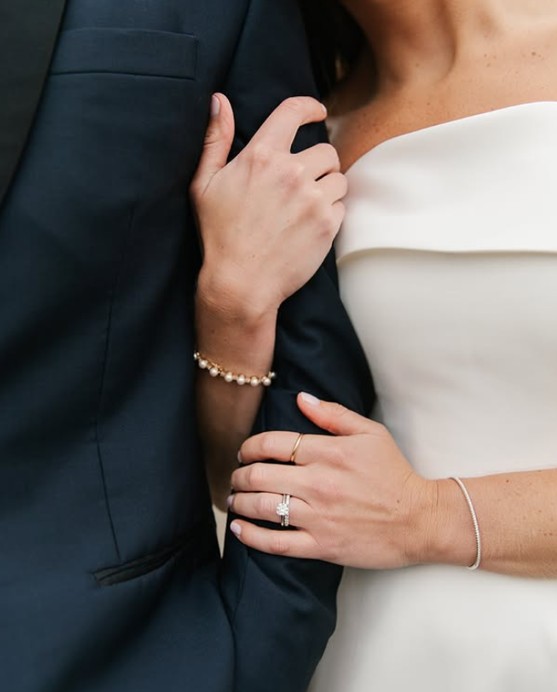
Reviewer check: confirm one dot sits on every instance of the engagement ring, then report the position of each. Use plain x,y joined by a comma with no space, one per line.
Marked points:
283,510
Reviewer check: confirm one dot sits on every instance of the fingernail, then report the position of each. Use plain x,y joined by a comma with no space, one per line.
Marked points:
215,106
239,456
309,399
229,500
324,107
235,528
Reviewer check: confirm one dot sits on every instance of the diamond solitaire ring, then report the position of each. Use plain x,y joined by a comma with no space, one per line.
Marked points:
283,510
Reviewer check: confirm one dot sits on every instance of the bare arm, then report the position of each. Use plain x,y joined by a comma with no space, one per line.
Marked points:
267,221
518,519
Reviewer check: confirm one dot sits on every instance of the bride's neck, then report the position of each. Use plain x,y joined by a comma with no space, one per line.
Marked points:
421,40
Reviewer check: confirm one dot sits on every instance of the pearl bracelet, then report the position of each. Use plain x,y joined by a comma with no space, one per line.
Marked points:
474,516
216,370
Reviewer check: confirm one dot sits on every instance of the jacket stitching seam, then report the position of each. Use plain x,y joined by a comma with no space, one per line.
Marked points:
104,369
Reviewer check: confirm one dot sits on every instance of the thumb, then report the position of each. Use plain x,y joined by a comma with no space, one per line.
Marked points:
332,417
218,141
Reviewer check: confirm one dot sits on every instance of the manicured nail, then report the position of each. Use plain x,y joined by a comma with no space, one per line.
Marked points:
229,501
235,528
239,456
215,106
309,399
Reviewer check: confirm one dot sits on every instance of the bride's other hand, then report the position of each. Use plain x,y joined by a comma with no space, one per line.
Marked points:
268,218
355,499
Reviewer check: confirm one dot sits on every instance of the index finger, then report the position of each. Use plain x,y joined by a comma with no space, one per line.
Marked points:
281,127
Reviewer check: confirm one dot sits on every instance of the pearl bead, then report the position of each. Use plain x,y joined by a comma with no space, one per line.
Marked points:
216,370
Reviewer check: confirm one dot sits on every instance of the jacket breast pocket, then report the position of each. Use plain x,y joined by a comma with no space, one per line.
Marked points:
124,107
143,52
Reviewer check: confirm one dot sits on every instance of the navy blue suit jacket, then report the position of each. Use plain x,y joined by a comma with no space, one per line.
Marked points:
110,578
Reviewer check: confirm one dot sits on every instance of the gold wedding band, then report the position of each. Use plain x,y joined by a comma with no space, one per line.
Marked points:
295,448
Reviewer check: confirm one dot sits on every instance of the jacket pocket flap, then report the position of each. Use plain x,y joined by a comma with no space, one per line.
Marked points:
196,548
126,51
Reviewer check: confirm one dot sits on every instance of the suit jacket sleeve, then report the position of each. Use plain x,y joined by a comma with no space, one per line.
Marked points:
283,610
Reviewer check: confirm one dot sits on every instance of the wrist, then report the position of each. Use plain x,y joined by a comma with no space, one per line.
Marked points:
234,301
239,335
451,538
422,522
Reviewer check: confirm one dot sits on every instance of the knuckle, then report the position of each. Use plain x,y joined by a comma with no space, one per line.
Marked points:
255,475
268,447
330,227
336,455
335,493
332,153
234,481
327,489
340,210
237,505
327,224
293,174
264,506
322,491
260,155
278,544
295,104
315,202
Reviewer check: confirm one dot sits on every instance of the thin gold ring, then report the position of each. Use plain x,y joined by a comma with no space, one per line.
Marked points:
295,448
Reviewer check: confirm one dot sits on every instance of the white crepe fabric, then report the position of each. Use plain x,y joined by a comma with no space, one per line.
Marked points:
448,268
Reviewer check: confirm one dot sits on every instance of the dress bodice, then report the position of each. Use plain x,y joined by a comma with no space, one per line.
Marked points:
481,183
448,267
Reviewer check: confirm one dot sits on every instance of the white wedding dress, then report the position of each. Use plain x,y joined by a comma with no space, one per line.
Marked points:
448,268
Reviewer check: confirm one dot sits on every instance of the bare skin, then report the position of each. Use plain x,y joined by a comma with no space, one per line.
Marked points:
441,60
356,499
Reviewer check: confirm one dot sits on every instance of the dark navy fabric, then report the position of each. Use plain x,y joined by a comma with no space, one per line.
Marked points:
109,573
28,31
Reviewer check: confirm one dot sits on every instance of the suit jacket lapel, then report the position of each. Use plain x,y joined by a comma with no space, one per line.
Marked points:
28,31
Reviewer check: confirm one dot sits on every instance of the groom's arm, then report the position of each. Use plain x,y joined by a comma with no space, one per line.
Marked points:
283,610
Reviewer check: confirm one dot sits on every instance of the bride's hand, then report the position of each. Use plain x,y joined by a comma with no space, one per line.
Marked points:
268,218
355,499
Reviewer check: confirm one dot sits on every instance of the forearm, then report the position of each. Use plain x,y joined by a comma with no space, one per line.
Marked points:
517,516
240,335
